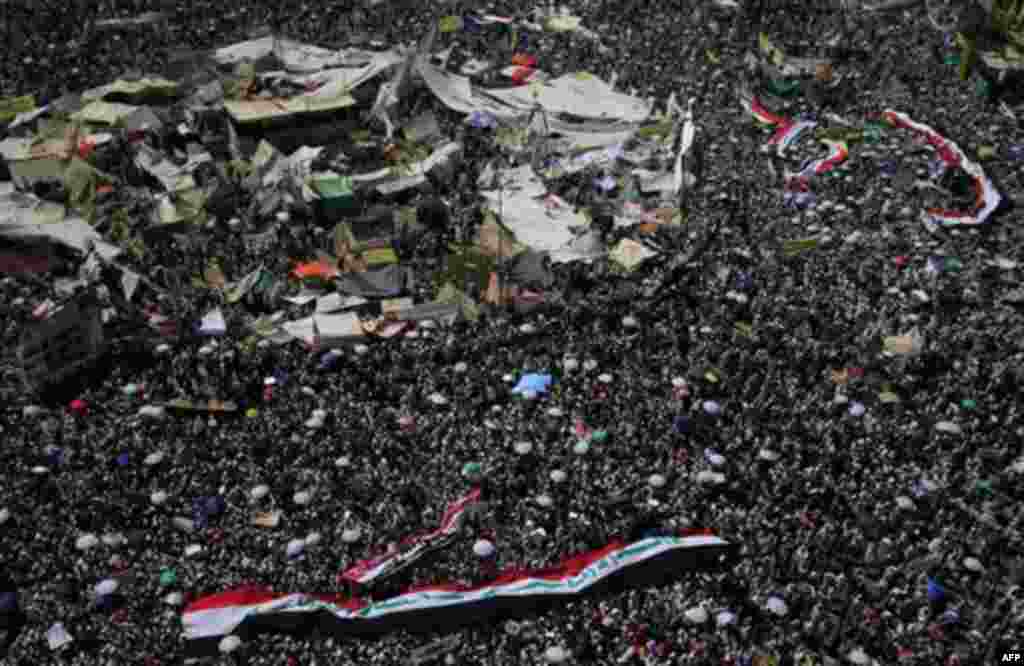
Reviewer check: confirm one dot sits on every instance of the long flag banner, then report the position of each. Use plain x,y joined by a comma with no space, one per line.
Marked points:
619,565
412,548
987,198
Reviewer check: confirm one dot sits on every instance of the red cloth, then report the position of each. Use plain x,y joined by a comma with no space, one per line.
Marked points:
524,60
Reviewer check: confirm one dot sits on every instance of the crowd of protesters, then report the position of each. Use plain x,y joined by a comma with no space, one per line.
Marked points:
887,527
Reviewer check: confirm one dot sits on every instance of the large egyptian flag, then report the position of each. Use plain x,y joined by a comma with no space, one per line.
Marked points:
619,565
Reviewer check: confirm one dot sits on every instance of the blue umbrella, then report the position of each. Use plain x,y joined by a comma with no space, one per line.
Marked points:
281,376
936,592
214,506
8,602
533,383
482,120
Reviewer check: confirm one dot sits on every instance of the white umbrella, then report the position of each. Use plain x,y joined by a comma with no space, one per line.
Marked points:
711,407
483,548
522,448
158,497
152,412
461,367
570,364
230,643
113,539
556,655
656,481
361,349
605,378
558,476
545,500
302,497
678,382
174,599
260,491
32,410
351,535
629,321
725,618
5,515
527,329
312,539
86,541
295,547
768,454
696,615
438,399
859,657
153,459
343,461
777,606
193,550
106,587
905,503
974,564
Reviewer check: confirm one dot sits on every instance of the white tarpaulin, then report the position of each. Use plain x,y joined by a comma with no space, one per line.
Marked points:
458,93
295,56
520,180
73,232
339,81
541,223
592,134
174,178
581,94
416,174
332,328
586,247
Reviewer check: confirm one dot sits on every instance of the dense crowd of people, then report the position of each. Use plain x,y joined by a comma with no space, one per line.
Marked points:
873,495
